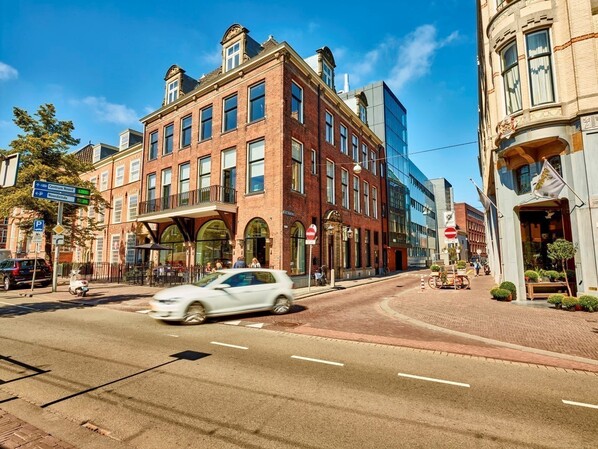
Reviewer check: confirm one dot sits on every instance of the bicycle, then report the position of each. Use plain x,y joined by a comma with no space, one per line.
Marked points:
448,280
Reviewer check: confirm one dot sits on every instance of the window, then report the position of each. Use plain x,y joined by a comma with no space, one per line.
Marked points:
345,188
118,210
101,214
229,174
330,181
327,74
329,128
510,76
366,198
257,102
364,156
344,148
314,162
153,148
168,138
124,141
91,212
355,147
373,163
104,181
368,255
166,187
203,178
540,67
255,167
374,202
120,176
230,113
357,240
151,192
99,249
172,91
356,199
297,102
186,123
297,248
97,154
363,113
134,170
132,209
184,176
130,251
523,179
297,167
233,56
205,126
114,248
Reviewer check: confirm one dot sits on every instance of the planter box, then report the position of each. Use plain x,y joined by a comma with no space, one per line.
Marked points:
542,290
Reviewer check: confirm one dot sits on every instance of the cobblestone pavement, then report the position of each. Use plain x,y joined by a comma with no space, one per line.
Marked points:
524,331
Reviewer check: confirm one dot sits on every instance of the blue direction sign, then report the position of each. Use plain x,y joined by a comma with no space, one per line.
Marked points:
61,188
38,225
46,195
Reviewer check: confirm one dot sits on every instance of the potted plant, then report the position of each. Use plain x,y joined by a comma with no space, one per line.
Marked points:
501,294
556,299
570,303
553,275
531,276
589,303
461,267
562,250
435,269
510,287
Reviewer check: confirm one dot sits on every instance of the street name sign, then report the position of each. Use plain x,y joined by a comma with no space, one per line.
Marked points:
61,188
63,193
47,195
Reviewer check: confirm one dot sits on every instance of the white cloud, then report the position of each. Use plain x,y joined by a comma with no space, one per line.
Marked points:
110,112
415,55
7,72
5,123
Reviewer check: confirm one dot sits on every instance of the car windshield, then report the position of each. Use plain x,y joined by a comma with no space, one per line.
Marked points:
208,279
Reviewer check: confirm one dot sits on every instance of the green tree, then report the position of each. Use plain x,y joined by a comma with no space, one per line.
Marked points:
562,250
44,148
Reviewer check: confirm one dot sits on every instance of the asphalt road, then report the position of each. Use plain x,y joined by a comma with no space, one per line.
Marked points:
143,384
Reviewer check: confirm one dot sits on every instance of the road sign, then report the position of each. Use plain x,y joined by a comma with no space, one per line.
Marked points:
37,237
61,188
47,195
450,233
58,239
311,234
58,229
9,168
38,225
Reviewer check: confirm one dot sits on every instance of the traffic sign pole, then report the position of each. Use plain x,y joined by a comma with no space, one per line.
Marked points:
56,249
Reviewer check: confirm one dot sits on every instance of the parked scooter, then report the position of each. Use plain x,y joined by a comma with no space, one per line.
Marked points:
486,269
78,286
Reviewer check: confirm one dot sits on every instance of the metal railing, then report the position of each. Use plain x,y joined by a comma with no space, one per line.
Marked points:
206,195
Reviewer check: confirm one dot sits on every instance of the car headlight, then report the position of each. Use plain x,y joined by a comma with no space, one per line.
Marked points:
168,301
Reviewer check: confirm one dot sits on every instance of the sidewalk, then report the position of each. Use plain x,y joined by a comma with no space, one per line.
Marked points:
527,330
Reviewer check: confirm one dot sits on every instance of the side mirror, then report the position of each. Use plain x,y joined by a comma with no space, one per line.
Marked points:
221,287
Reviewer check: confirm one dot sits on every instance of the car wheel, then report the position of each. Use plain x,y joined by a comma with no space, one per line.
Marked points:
195,314
45,284
281,305
6,284
71,291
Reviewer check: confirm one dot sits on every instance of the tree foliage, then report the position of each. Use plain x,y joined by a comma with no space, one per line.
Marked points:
562,250
44,146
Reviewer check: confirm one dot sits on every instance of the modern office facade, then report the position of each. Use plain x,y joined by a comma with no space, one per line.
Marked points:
538,94
423,228
445,213
243,160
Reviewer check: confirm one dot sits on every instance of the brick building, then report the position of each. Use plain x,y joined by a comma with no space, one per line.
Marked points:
243,160
471,221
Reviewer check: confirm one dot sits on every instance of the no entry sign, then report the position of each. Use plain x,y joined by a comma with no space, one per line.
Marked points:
310,234
450,233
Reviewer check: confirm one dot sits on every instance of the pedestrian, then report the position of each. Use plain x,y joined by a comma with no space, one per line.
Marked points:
209,268
219,264
239,263
477,267
255,263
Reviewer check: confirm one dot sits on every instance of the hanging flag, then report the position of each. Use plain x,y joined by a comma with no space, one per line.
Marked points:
484,199
548,183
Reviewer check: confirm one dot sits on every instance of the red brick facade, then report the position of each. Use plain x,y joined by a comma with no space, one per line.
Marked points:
471,221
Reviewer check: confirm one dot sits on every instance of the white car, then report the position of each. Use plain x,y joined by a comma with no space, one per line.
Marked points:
225,292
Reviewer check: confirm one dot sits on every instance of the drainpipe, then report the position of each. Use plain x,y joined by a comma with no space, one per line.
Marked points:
322,168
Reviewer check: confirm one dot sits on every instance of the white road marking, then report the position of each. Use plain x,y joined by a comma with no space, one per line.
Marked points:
580,404
143,311
431,379
256,325
232,323
172,335
227,345
327,362
16,305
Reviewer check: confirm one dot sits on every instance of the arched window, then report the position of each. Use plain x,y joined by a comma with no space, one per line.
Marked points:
522,179
257,242
297,248
213,244
172,238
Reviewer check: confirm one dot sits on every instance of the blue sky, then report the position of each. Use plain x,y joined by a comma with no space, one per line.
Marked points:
102,63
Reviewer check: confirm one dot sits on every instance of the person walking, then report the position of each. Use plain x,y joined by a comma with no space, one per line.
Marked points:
255,263
477,267
239,263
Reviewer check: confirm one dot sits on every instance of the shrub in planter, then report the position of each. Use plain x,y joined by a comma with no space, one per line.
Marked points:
500,294
569,302
589,303
461,265
553,275
507,285
435,267
556,299
532,275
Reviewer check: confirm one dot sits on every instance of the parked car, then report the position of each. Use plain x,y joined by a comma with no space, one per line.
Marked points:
225,292
16,272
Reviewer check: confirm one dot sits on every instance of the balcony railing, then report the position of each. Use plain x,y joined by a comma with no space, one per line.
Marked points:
206,195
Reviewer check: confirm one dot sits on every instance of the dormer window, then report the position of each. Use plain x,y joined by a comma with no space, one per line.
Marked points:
363,113
233,56
172,91
327,74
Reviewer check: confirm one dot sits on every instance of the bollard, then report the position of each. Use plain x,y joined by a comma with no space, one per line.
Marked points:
422,285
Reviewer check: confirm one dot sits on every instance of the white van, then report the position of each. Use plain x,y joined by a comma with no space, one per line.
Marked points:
5,254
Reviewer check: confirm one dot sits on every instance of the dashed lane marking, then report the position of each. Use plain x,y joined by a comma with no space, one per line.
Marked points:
580,404
16,305
228,345
143,311
256,325
232,323
431,379
327,362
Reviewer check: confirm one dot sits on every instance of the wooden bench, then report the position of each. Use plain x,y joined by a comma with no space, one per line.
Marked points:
546,289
